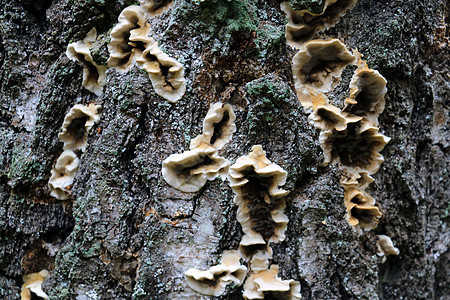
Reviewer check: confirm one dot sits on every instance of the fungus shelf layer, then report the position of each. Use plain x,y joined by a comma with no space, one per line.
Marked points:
190,170
94,77
213,281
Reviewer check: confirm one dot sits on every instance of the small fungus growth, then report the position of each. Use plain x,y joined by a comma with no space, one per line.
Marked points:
213,281
367,90
32,286
361,212
166,74
63,174
218,126
77,124
386,247
94,78
356,179
319,63
303,24
328,117
190,170
266,284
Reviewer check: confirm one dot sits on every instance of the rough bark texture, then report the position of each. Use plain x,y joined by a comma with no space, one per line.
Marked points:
126,234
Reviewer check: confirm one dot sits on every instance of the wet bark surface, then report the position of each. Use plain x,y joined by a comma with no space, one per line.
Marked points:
125,233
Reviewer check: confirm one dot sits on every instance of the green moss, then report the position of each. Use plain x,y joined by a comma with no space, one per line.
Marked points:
219,19
270,39
25,168
268,90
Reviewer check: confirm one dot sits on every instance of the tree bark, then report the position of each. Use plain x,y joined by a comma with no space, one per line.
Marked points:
126,234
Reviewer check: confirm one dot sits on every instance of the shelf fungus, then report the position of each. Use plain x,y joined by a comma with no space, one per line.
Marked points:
155,7
367,90
357,147
255,181
213,281
318,63
166,74
361,210
358,179
218,126
77,124
190,170
266,284
386,247
328,117
304,24
128,38
63,174
94,78
31,289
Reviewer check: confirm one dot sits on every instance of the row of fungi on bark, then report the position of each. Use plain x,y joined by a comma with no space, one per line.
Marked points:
349,136
131,45
260,202
255,181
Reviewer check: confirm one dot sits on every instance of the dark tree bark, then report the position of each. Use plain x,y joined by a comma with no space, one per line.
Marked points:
126,234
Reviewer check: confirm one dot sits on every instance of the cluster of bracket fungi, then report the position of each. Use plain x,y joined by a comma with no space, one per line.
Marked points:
131,45
349,136
255,181
74,131
190,170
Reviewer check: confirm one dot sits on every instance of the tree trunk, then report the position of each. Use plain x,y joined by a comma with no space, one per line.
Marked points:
124,233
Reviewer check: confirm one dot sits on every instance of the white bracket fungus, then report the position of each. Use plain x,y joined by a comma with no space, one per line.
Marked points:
349,136
213,281
218,126
190,170
361,210
319,63
63,174
303,24
367,90
357,147
121,48
94,78
386,247
32,284
255,181
77,124
130,43
266,284
166,74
